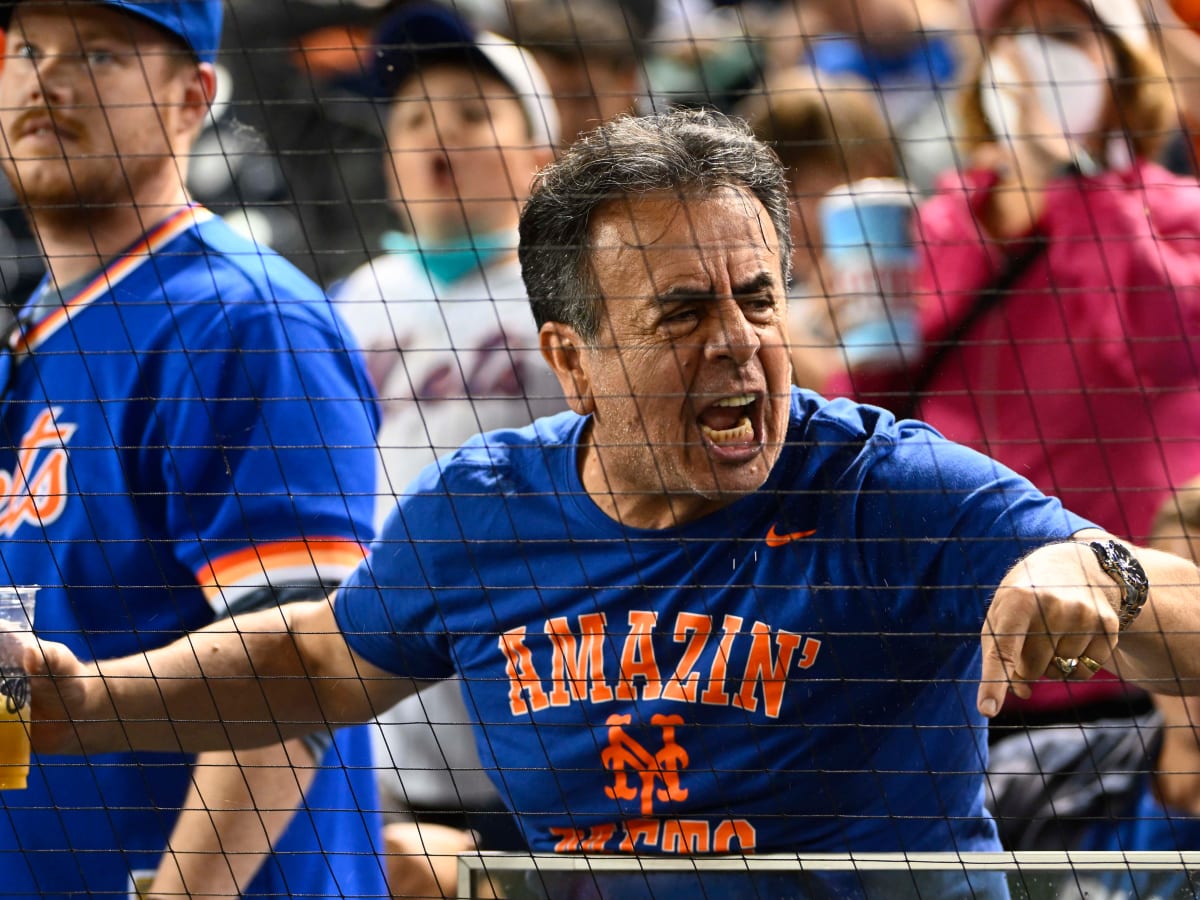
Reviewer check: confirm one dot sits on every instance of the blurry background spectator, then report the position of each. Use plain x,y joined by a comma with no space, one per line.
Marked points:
589,55
1060,311
706,52
912,53
291,154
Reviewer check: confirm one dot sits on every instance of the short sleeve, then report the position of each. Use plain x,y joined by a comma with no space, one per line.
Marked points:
932,512
270,425
387,609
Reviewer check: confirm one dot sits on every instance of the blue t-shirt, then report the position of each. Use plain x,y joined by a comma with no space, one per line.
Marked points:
795,672
181,432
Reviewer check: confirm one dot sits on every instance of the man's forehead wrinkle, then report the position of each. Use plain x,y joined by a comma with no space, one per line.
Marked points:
736,237
640,238
681,203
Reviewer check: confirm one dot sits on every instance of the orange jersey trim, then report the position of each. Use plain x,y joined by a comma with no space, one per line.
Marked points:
227,578
158,237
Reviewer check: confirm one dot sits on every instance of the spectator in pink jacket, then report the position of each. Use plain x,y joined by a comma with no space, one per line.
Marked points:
1061,274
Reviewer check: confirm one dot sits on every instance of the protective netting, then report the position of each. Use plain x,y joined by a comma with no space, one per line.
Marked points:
594,437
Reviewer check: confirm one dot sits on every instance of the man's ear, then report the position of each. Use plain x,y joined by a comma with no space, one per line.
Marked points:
199,92
564,351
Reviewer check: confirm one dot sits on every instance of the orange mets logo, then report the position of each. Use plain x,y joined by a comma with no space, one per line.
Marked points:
624,756
35,491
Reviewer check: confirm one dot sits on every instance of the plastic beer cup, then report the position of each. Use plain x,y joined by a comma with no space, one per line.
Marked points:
16,616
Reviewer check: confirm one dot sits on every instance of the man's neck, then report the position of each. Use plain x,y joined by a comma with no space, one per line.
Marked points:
78,241
631,506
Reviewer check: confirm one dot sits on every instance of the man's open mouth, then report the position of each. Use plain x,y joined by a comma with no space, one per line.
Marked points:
730,420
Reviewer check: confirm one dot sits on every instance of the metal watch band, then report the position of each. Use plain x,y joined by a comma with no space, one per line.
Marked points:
1124,568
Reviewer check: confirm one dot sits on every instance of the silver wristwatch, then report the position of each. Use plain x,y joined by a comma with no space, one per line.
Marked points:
1124,568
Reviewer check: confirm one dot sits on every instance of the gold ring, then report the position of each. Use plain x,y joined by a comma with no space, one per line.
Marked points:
1066,666
1092,665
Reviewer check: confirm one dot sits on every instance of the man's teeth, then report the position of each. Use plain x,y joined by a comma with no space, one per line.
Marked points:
740,433
740,400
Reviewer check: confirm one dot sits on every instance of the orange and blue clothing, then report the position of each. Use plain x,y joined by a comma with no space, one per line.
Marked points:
186,432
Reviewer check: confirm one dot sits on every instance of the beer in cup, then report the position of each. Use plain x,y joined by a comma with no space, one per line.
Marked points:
16,617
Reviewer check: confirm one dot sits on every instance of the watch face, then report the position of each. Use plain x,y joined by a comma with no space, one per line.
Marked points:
1127,568
1124,568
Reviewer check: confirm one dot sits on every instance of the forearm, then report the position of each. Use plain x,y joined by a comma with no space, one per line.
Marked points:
213,689
1057,613
245,682
886,22
1180,48
237,808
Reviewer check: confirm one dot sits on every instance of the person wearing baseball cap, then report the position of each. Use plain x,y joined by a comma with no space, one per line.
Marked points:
1058,273
470,119
162,470
420,34
444,319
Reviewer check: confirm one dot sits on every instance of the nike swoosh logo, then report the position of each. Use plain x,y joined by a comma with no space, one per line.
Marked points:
774,539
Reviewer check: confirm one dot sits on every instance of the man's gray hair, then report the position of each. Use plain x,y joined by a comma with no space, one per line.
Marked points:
684,151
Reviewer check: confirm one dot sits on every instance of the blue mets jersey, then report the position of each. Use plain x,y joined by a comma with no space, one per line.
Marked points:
796,672
183,430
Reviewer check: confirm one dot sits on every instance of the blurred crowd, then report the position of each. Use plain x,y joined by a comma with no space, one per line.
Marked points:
291,153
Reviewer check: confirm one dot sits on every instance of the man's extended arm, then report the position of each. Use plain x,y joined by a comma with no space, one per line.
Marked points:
1058,602
283,672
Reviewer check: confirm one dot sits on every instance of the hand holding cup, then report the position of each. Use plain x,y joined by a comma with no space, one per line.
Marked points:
16,624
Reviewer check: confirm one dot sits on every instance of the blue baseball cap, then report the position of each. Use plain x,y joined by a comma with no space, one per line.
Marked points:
195,22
